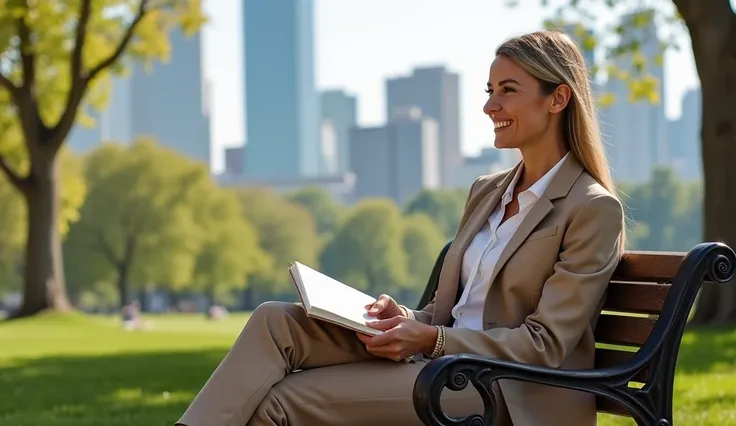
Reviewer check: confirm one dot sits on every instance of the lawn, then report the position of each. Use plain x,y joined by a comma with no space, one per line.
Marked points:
81,371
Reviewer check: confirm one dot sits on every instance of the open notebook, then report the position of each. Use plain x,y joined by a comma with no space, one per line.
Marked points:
330,300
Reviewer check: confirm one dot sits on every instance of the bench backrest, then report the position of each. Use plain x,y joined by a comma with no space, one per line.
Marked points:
635,298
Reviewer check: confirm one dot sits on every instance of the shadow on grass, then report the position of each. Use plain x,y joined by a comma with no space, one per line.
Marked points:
707,349
131,389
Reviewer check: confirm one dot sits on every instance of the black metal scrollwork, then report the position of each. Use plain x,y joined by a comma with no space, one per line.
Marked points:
650,405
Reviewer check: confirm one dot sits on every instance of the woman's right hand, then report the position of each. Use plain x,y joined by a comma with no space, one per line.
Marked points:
385,307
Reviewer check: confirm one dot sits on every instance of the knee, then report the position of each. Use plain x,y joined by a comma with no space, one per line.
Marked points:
274,311
270,411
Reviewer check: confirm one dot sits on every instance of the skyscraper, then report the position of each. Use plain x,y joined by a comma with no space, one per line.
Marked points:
340,109
167,103
436,92
636,132
281,101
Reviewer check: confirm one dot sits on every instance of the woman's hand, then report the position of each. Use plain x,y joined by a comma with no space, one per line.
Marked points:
401,338
384,307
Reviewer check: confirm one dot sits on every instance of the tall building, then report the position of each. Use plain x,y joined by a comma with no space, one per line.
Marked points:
167,102
170,103
281,101
341,110
684,138
636,132
436,91
396,160
580,35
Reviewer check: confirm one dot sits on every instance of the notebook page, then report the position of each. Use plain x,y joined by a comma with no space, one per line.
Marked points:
333,296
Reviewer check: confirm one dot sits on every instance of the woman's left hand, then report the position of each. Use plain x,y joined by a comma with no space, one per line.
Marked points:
401,338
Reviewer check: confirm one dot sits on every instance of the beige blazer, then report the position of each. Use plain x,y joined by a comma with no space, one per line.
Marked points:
546,291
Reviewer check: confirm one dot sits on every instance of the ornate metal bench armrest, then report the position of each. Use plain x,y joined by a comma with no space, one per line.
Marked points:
456,371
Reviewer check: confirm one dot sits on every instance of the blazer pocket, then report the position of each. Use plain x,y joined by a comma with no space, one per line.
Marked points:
542,233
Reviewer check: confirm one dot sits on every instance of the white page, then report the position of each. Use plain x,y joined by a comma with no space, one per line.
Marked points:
331,295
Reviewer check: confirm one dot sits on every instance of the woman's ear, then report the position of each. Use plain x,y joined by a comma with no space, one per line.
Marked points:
560,98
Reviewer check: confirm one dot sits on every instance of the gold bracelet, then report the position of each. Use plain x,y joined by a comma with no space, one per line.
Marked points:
439,345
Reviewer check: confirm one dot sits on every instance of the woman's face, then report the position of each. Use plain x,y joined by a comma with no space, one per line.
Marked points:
521,113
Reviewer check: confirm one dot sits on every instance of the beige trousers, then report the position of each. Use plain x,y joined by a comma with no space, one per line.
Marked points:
339,383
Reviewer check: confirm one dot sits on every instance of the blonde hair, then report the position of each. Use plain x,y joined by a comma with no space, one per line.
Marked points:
553,58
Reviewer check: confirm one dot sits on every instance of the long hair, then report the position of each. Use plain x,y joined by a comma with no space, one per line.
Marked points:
553,58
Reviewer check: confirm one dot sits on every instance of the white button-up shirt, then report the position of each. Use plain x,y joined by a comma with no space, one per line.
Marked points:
481,256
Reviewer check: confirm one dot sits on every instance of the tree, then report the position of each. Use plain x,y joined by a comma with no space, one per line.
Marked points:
710,26
13,219
139,222
52,54
422,242
286,232
367,251
325,210
444,207
230,251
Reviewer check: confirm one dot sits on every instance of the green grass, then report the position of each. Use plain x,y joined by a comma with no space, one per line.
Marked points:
86,371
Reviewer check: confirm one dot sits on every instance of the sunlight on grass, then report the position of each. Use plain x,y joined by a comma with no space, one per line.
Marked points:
77,370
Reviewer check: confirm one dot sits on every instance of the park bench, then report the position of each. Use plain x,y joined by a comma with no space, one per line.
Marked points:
637,341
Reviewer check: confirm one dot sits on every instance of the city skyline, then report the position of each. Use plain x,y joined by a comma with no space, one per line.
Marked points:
367,52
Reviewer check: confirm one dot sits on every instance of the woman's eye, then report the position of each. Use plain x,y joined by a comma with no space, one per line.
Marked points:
507,90
489,91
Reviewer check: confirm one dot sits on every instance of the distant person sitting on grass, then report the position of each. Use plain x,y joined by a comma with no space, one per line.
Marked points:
131,315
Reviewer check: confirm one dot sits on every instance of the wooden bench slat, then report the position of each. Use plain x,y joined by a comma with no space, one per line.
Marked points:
641,266
605,358
622,330
643,298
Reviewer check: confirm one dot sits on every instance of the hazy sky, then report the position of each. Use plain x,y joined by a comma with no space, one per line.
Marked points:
359,43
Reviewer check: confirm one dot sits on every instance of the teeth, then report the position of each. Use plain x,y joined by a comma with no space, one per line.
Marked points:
500,124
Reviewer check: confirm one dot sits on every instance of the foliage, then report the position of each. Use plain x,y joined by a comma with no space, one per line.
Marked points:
366,251
422,242
12,236
286,232
139,223
230,250
617,30
55,57
444,207
666,212
323,208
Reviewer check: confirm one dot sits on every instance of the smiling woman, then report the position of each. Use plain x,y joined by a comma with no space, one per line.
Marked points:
523,280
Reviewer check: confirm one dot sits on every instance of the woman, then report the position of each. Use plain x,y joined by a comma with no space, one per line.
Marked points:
534,252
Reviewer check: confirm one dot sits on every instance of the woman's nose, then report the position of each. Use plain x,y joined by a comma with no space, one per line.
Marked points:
491,107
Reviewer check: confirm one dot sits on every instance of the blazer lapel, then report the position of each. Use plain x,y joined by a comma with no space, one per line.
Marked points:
450,272
539,211
558,187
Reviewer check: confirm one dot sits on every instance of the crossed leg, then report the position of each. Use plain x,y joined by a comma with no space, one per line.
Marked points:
339,382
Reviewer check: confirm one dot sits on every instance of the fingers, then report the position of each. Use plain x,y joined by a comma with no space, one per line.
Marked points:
394,351
378,306
385,324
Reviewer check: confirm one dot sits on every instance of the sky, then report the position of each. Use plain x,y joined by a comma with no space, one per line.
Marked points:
360,43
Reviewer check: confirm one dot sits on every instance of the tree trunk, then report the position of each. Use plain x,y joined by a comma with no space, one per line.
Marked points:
123,290
714,49
44,286
249,298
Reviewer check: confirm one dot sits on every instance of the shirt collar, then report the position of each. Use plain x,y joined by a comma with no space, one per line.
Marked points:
539,186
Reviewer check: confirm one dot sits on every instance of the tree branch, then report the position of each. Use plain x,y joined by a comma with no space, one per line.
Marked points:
27,56
701,11
8,85
76,94
106,63
77,60
19,182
